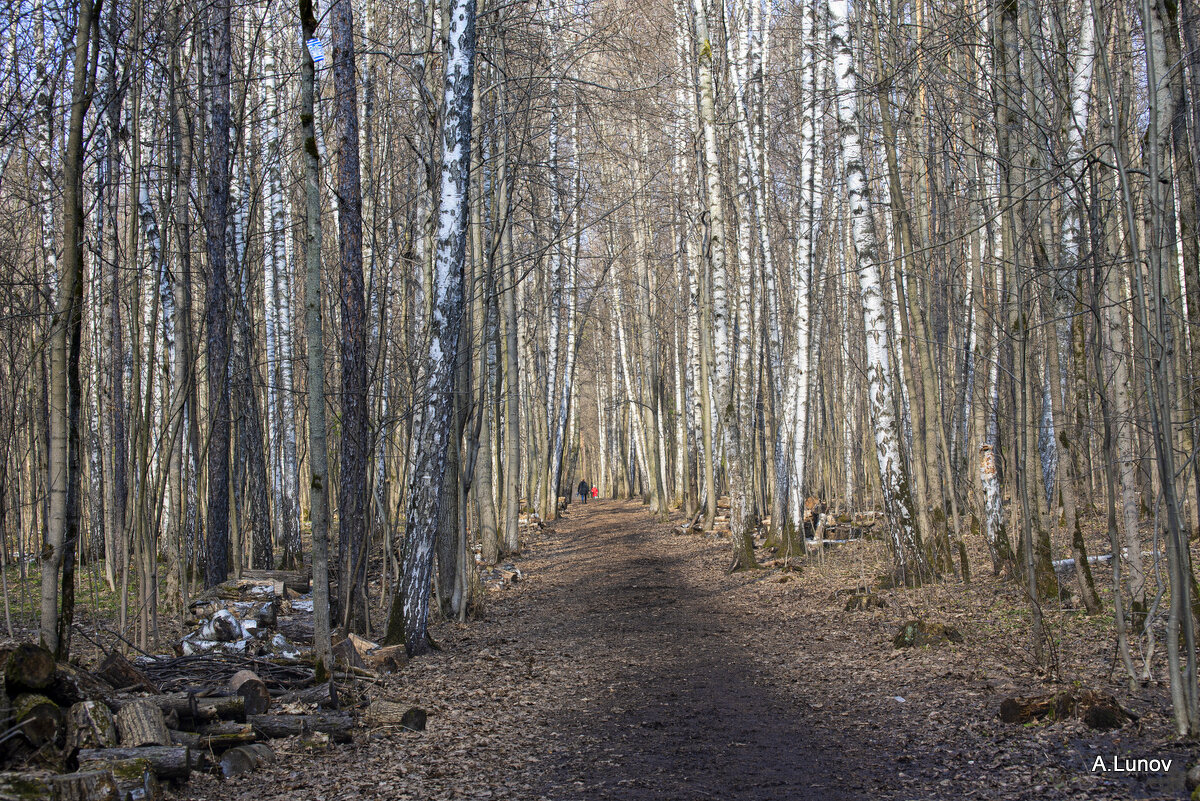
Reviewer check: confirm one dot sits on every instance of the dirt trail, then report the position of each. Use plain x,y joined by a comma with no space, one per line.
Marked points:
628,665
683,710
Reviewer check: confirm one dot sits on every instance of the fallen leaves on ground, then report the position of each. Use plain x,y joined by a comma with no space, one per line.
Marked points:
626,664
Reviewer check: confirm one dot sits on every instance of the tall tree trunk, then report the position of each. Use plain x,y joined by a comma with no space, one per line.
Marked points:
355,444
909,560
63,457
1151,305
216,220
426,484
743,543
318,453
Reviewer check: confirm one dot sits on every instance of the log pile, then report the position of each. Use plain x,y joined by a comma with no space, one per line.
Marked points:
126,729
836,528
500,576
529,519
263,613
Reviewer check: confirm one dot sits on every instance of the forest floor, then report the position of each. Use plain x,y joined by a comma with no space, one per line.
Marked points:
627,664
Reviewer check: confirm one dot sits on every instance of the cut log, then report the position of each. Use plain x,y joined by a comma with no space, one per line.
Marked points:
362,645
91,785
72,685
168,761
216,738
246,758
121,674
262,614
28,667
387,713
90,725
388,659
140,724
227,735
40,718
221,627
191,708
253,690
1098,710
322,695
297,629
134,778
244,589
338,725
414,719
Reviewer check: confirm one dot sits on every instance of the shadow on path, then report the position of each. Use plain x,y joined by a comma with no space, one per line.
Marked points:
678,708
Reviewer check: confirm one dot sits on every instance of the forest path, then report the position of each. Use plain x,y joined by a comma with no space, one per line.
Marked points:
677,706
627,664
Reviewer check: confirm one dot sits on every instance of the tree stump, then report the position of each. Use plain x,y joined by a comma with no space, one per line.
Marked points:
90,725
253,690
860,602
1097,710
916,633
140,724
40,718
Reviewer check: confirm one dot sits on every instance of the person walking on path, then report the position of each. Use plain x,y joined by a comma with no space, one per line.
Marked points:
584,490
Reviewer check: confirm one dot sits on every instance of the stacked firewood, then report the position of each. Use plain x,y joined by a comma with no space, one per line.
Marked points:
244,615
122,737
497,577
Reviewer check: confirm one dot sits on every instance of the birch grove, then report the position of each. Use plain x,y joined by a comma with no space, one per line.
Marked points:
369,290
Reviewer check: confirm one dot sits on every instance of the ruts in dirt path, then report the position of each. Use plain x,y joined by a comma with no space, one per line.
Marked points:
627,664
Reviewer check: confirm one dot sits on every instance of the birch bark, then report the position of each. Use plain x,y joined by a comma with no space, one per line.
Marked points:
425,485
910,563
743,543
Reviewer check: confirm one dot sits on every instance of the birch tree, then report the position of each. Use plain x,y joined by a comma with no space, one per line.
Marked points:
909,562
409,620
726,403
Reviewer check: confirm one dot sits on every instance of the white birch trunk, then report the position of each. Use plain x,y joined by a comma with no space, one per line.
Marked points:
425,485
724,356
909,559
